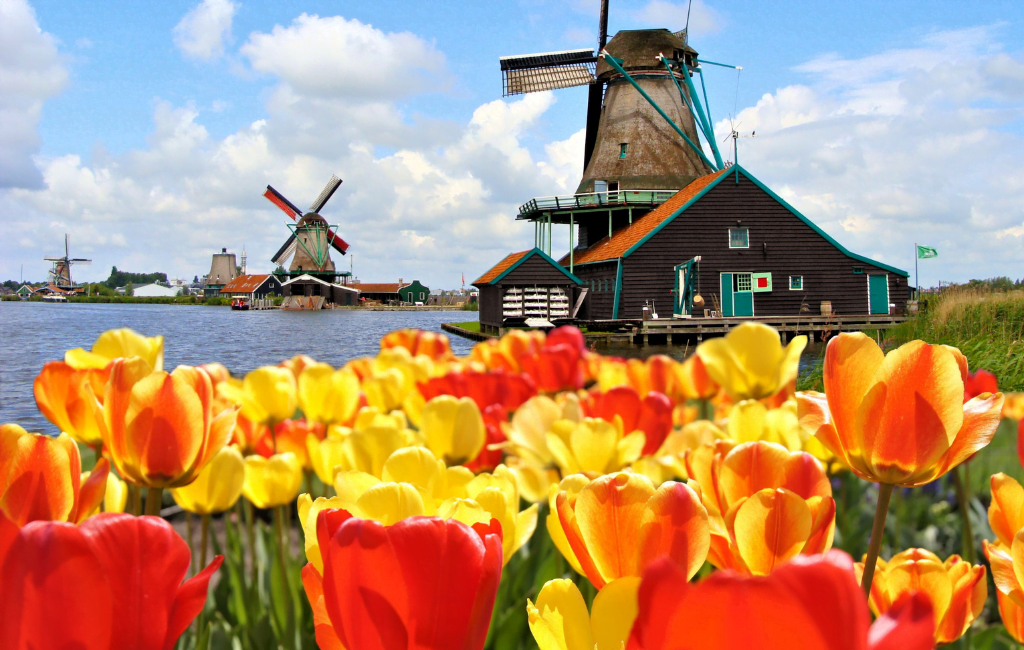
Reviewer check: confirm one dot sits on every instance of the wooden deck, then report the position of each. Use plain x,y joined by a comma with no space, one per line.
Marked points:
673,330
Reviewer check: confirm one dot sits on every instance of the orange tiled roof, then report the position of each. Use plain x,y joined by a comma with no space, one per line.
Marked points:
500,267
378,287
620,242
244,284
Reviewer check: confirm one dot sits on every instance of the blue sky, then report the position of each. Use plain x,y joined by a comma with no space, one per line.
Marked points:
157,125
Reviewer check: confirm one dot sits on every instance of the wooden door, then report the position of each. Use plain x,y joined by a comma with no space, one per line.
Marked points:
878,294
743,295
726,294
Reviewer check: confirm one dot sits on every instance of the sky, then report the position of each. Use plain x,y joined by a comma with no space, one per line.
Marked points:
148,131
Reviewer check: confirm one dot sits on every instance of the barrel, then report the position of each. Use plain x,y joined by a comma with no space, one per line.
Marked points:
826,307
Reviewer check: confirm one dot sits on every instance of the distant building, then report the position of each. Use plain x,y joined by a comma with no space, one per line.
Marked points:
394,292
223,269
154,291
310,292
25,291
252,287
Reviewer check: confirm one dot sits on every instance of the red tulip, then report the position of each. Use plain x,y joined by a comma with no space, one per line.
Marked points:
652,414
507,389
112,583
557,364
422,583
978,382
812,603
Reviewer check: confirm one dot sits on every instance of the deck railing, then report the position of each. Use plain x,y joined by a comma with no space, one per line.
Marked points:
595,200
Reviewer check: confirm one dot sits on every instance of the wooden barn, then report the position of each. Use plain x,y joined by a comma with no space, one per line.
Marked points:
527,284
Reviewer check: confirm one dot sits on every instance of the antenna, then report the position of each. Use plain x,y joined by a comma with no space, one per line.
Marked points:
686,30
735,135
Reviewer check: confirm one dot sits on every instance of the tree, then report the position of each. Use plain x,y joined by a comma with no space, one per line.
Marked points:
129,289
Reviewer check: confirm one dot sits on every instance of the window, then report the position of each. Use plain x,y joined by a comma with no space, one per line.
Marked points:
622,149
796,283
743,282
858,269
422,295
739,238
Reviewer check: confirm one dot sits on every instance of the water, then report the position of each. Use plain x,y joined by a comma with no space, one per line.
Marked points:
32,333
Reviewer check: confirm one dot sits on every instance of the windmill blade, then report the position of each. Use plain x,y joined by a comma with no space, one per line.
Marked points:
81,261
328,191
286,251
530,73
286,206
337,243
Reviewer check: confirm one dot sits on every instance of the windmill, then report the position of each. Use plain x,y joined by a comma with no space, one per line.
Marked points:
60,272
311,237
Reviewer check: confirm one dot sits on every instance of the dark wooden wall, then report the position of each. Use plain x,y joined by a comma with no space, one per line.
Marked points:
780,243
599,302
535,271
490,305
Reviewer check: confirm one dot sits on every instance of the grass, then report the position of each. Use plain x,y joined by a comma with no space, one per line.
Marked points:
470,326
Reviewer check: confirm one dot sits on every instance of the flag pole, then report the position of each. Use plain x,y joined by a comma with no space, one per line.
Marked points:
917,282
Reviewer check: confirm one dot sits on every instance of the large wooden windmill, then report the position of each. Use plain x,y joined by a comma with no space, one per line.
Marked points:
312,238
644,125
60,271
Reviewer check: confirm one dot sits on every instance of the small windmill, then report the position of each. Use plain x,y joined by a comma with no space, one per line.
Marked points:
311,237
60,272
735,135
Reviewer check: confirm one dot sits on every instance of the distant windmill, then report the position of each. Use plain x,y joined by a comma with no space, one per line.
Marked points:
312,237
60,272
643,111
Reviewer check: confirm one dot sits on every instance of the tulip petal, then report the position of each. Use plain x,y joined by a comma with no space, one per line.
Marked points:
816,420
93,490
918,570
593,444
165,428
559,620
42,475
771,528
982,415
390,503
1012,616
823,525
611,512
908,625
1003,574
189,602
614,610
1006,512
675,524
326,637
851,361
970,589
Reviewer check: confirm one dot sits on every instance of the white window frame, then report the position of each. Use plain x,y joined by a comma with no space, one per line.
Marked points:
748,237
791,288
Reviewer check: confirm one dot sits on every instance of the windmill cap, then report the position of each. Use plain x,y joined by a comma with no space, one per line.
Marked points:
639,50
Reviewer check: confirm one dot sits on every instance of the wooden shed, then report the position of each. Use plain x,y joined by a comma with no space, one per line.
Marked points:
748,253
527,284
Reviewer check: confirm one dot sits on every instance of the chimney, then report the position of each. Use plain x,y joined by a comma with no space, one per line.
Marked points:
223,250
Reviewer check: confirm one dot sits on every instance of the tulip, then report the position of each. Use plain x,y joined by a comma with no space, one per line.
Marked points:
435,582
115,497
326,395
453,429
750,363
619,523
979,382
119,344
272,482
161,429
652,415
506,389
693,381
217,487
366,450
504,353
812,603
73,400
593,446
327,454
1006,511
41,478
556,365
956,589
386,390
431,344
116,581
290,436
531,423
297,364
1012,615
571,485
1013,406
268,395
757,487
897,418
560,621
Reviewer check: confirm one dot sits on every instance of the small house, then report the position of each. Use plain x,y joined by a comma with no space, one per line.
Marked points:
308,286
527,284
252,287
154,291
413,293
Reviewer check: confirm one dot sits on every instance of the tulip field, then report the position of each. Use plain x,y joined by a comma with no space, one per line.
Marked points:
532,494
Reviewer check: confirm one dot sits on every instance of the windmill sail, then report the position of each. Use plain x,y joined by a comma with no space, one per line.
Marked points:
530,73
326,194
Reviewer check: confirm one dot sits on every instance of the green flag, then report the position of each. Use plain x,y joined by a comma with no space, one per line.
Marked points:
925,252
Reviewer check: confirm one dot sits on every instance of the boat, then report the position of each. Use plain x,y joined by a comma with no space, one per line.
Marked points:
239,303
54,299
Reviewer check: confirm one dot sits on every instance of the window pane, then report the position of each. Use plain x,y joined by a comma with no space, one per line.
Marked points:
743,282
739,238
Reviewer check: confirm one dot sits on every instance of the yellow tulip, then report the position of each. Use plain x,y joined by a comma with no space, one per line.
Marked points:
750,363
268,395
751,420
308,510
571,485
453,429
593,446
560,621
371,416
217,487
325,455
274,481
115,498
528,431
327,395
114,344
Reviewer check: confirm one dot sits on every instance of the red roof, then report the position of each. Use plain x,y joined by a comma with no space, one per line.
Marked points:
244,284
378,287
501,267
620,242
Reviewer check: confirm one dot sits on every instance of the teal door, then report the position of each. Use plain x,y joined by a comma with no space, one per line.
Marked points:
685,288
726,294
743,295
878,293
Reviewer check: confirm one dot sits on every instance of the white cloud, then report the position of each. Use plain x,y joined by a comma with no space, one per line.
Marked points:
335,57
203,31
914,144
31,71
672,15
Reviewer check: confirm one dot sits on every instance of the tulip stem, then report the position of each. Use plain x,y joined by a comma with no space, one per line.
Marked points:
963,495
136,491
884,492
204,527
154,498
191,545
252,542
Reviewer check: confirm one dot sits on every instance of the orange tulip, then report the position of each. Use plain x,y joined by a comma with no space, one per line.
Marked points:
1006,555
1006,511
693,381
760,487
620,523
72,400
161,428
1012,615
417,342
297,364
40,478
956,589
898,418
245,434
290,435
